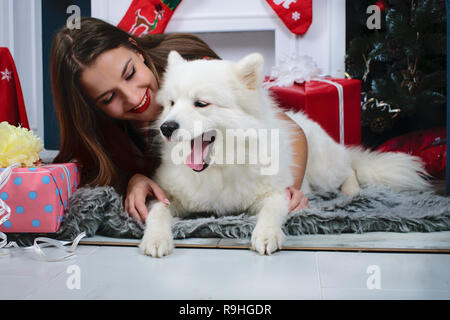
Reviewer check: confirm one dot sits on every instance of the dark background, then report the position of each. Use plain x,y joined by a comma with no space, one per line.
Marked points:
54,17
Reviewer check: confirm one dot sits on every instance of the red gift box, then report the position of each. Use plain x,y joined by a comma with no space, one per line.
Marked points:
320,100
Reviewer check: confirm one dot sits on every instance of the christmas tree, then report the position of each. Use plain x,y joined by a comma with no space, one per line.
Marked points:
402,65
172,4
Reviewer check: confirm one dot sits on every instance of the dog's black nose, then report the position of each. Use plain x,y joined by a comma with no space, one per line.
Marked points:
167,128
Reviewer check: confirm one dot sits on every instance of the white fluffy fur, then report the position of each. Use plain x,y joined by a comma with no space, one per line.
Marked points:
330,164
238,101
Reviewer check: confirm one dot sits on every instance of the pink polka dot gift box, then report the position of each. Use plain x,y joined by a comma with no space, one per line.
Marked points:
38,196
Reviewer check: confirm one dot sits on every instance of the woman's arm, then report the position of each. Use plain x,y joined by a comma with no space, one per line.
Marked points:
300,156
300,150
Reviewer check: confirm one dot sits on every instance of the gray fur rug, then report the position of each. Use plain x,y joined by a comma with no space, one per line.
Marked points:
100,211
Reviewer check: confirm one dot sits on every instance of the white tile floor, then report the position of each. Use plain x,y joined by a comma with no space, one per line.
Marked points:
112,272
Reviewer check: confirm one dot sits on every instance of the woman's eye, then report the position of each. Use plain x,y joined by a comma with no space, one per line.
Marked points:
201,104
107,101
131,74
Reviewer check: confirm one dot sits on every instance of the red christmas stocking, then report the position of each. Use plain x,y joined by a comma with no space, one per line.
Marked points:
295,14
148,16
12,106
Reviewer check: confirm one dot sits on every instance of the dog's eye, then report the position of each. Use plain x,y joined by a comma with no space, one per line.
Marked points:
171,103
201,104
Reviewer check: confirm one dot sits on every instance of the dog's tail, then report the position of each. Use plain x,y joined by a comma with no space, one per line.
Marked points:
397,170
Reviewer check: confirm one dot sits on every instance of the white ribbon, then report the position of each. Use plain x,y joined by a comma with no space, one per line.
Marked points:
5,210
67,172
42,242
48,242
340,90
5,213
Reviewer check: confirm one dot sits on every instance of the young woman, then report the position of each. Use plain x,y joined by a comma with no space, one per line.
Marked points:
102,79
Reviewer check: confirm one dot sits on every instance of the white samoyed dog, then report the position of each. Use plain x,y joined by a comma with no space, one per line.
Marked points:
225,151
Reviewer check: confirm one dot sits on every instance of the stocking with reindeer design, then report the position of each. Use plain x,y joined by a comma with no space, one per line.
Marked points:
148,16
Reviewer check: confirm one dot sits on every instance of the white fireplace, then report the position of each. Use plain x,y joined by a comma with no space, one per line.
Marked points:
238,27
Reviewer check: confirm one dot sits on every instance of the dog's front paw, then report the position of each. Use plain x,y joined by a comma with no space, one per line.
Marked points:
156,244
266,240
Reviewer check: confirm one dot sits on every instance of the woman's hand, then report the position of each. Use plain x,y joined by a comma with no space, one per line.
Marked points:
297,199
139,187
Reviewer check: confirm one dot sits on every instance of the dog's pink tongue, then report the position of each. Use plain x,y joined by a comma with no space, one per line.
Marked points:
195,159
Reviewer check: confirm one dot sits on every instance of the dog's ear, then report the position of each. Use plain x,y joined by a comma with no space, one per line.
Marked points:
174,58
250,70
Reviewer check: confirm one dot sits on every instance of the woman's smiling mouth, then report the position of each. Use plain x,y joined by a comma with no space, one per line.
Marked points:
145,103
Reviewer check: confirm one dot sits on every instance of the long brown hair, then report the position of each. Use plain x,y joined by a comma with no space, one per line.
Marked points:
86,133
